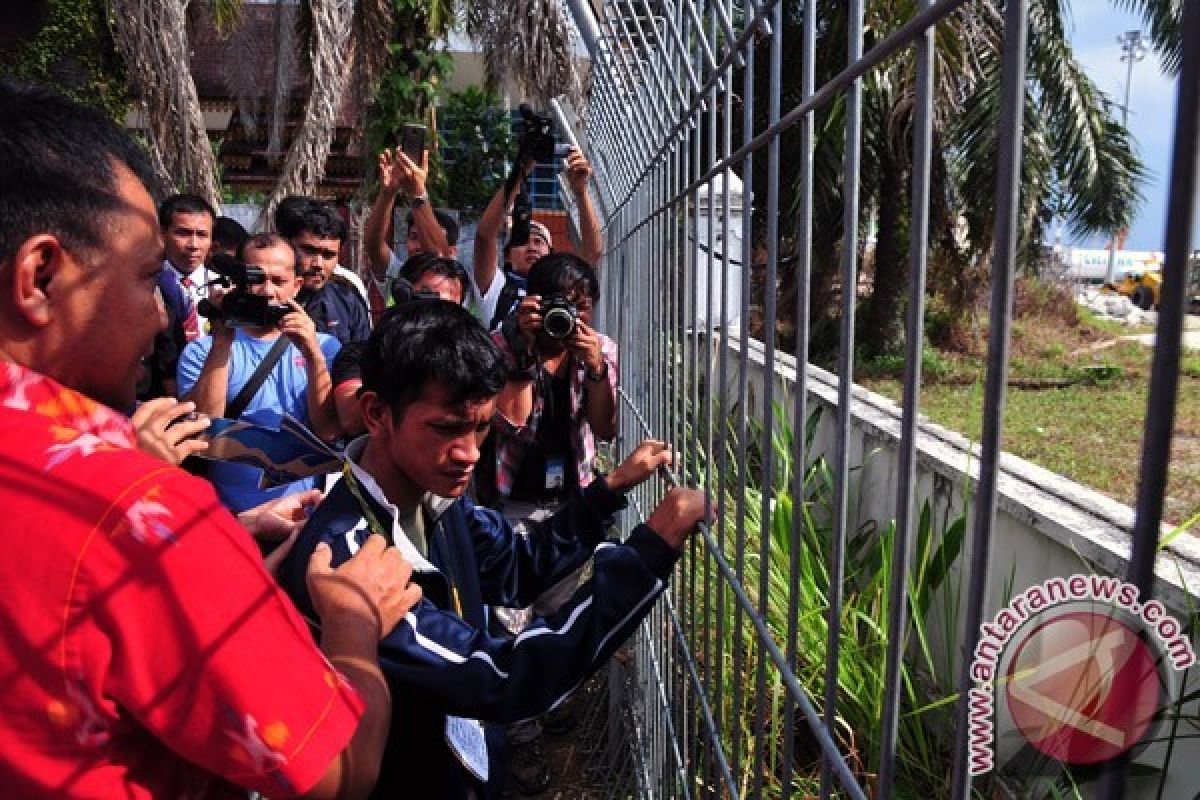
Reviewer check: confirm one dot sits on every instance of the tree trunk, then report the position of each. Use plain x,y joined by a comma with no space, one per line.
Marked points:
881,324
304,165
152,36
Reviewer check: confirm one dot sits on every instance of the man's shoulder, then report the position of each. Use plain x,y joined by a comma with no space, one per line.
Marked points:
343,288
142,488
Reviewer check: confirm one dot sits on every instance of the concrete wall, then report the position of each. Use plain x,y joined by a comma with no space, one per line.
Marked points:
1046,526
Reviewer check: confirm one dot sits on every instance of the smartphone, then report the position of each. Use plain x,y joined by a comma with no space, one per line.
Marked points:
412,142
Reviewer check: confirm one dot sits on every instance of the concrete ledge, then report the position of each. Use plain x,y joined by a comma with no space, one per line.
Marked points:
1096,528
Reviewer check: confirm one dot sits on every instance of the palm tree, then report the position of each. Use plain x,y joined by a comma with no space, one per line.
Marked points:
347,46
351,44
1079,161
528,42
152,36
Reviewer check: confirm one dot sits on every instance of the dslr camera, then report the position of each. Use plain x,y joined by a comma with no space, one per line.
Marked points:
558,317
537,136
240,308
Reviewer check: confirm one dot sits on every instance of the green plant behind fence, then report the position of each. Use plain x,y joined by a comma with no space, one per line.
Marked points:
925,737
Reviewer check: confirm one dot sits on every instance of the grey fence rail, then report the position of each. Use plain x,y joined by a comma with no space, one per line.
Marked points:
713,701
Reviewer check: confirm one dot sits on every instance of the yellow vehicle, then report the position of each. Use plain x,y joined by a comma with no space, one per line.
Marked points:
1140,287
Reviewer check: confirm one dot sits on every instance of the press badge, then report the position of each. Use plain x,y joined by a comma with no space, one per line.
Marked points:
556,473
466,739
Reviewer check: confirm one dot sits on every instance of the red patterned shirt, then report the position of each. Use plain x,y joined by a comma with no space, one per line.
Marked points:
144,650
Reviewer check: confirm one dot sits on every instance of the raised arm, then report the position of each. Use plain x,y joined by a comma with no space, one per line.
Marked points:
591,241
599,358
379,253
412,182
488,231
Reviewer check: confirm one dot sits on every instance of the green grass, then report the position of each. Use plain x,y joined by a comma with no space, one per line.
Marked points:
1090,428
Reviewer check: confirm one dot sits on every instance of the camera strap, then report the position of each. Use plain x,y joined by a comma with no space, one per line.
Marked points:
235,409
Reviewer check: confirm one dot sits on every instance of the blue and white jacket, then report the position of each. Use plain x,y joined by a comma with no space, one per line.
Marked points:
440,660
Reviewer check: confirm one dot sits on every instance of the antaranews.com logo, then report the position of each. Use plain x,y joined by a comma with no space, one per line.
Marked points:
1083,671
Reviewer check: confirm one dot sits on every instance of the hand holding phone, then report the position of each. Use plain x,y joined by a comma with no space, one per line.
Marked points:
412,142
170,429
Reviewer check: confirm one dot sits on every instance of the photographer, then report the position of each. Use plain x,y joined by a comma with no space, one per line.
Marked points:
286,357
333,296
500,290
561,389
560,395
430,378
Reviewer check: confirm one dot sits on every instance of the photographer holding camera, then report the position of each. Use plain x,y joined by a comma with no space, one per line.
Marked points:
528,240
561,394
266,354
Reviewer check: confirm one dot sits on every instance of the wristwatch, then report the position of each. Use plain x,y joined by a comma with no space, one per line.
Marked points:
418,201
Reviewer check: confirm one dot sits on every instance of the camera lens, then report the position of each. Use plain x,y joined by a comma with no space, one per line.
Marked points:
558,323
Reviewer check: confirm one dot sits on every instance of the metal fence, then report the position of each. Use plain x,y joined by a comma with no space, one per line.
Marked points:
715,702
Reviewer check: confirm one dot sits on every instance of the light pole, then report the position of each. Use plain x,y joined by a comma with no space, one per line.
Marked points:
1133,49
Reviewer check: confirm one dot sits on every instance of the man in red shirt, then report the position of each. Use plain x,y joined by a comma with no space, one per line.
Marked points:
144,649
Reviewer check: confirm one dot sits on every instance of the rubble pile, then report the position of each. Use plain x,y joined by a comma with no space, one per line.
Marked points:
1116,307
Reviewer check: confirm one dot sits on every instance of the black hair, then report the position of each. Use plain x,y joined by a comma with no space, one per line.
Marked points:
263,241
297,214
56,169
423,263
183,204
448,223
562,273
424,341
229,233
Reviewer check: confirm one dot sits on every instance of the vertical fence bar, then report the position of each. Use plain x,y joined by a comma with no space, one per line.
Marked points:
711,632
1164,372
723,393
743,382
771,230
803,273
1012,107
845,378
691,362
914,344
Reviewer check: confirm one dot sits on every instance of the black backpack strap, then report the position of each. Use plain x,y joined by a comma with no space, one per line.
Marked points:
235,409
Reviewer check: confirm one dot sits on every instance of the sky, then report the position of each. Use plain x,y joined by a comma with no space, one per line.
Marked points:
1096,25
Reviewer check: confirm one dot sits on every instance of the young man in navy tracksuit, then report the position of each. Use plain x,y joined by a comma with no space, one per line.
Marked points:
430,379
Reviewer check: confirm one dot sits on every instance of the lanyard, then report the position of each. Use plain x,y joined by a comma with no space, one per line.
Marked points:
373,523
363,506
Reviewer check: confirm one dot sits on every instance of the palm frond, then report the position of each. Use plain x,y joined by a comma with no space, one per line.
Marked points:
226,14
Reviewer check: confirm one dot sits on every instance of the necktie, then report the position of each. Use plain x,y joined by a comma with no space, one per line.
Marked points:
191,323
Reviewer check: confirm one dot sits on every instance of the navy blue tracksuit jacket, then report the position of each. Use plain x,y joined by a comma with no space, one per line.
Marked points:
438,662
